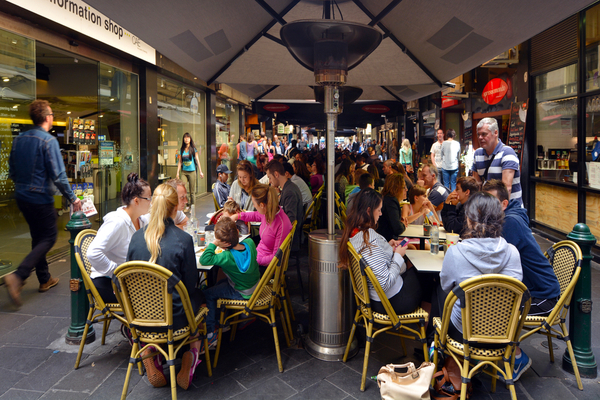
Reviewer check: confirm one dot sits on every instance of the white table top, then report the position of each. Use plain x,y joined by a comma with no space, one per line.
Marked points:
424,261
416,231
200,250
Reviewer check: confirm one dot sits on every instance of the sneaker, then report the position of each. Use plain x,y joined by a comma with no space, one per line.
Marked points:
212,341
14,284
154,369
189,362
51,283
126,332
522,364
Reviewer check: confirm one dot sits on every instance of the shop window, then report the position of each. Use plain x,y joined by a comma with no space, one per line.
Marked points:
592,47
228,134
556,124
181,109
592,213
556,206
592,145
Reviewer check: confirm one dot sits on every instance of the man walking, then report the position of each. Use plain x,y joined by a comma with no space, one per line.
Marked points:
436,155
494,160
36,168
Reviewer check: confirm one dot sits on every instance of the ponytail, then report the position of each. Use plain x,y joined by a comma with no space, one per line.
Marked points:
265,194
164,201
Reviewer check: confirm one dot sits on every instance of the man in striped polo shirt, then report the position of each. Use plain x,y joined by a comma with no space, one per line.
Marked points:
494,160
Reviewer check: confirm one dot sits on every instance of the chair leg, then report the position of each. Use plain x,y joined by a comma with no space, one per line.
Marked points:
172,371
85,332
403,346
363,379
276,339
105,326
550,349
299,275
352,331
425,349
288,336
287,321
572,356
218,338
134,351
233,329
464,374
509,375
206,352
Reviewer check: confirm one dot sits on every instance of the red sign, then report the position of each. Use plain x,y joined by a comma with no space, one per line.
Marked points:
448,102
376,109
276,107
494,91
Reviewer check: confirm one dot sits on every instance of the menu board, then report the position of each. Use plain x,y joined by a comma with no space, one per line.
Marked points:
516,128
84,131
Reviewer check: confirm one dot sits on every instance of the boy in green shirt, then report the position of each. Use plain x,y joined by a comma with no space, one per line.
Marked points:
238,262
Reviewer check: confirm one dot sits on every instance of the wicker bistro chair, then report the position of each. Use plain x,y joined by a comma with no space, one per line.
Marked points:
99,310
390,322
262,304
146,292
565,258
493,309
217,207
314,207
284,299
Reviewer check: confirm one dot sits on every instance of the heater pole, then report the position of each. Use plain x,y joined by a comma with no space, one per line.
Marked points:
332,110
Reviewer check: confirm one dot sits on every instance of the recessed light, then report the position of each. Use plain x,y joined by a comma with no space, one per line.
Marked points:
15,106
68,112
112,99
14,41
5,79
109,71
100,116
195,78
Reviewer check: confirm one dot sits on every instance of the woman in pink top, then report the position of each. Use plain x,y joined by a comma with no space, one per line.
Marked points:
275,224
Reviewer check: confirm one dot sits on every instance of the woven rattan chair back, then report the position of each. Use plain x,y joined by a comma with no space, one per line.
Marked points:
565,257
217,207
492,307
82,243
146,292
358,278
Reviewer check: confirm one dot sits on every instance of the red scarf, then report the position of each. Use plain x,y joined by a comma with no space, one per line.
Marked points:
354,232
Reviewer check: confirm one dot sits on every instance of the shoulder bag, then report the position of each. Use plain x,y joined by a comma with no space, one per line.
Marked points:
410,385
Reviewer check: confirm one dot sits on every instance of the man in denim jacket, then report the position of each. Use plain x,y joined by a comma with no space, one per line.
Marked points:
36,168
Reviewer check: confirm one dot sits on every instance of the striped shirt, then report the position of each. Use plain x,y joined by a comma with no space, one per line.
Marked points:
505,158
386,265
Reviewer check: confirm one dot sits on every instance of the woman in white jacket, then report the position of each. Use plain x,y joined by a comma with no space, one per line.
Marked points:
109,248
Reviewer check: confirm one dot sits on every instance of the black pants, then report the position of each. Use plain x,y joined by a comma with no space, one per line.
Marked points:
407,299
104,286
41,219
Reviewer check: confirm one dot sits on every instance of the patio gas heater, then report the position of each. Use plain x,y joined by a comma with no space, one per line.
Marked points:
329,48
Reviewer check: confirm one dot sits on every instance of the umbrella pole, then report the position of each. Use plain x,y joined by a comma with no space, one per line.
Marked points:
332,112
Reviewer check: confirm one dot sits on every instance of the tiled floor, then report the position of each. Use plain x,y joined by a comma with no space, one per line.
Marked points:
37,364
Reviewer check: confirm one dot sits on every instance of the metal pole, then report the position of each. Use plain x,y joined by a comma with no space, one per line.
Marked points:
330,144
580,320
79,300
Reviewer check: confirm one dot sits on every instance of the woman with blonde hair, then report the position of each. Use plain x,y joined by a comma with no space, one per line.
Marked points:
406,156
242,186
163,243
274,223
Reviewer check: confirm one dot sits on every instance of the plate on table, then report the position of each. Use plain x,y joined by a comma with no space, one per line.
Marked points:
201,250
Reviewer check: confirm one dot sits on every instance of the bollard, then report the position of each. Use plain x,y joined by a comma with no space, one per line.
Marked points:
580,320
79,301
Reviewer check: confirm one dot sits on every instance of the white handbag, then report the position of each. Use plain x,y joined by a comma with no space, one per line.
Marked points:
409,385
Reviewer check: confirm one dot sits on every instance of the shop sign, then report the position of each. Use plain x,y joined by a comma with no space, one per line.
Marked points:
376,109
82,18
448,102
494,91
276,107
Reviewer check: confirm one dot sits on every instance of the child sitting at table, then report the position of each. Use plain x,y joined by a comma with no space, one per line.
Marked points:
230,208
238,262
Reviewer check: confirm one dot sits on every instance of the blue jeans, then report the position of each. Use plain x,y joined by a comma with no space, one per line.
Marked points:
221,290
449,178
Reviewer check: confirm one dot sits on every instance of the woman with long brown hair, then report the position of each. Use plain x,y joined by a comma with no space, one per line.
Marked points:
401,285
163,243
391,225
275,224
301,170
242,186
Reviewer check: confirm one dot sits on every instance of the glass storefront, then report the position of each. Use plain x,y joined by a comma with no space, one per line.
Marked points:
181,109
228,134
93,104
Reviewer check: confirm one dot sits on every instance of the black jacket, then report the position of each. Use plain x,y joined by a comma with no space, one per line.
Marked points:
177,255
453,217
390,226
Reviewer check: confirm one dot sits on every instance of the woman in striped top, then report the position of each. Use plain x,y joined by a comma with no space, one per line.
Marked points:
400,284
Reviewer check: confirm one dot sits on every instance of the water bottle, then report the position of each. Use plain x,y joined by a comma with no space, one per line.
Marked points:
434,240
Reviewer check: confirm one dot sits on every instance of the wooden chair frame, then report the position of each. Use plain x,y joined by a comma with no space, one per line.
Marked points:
391,322
284,294
99,311
265,297
145,291
217,207
565,258
489,316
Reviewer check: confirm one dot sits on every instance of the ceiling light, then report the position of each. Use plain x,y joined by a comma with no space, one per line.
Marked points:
195,78
14,41
68,112
100,116
109,71
112,99
15,106
5,79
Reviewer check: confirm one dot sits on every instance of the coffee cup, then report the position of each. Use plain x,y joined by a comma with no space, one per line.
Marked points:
201,239
426,229
452,238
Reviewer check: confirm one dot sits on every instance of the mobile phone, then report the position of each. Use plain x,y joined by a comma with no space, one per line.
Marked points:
402,243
